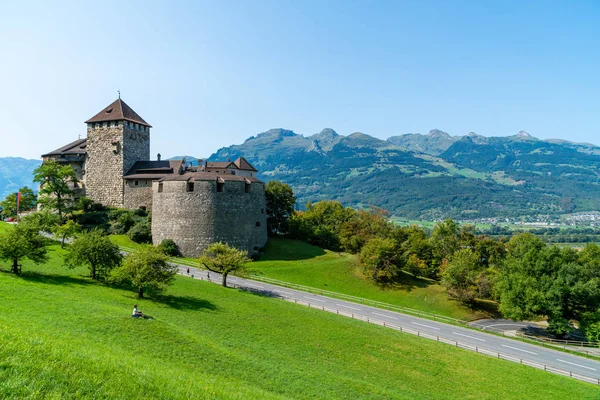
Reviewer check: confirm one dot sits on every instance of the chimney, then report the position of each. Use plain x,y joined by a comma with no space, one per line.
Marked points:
158,156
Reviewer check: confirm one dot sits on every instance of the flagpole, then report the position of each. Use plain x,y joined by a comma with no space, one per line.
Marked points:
18,203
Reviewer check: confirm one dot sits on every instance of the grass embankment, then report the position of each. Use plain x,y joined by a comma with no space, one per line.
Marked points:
63,336
297,262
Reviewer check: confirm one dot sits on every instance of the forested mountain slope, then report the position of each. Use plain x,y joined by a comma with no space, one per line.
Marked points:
474,177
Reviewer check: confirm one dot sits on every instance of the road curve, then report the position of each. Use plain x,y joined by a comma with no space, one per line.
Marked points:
487,342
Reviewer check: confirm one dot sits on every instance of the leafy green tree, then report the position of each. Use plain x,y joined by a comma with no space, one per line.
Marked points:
141,233
27,203
418,252
460,276
537,281
67,230
95,251
280,206
445,240
380,259
21,242
365,225
223,259
321,224
44,220
146,268
169,248
54,180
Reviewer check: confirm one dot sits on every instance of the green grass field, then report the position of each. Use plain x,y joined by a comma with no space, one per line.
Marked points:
297,262
63,336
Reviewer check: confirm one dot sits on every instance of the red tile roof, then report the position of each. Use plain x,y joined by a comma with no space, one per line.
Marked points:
118,110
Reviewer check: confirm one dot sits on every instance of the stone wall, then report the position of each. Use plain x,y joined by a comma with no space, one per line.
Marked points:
112,151
194,220
137,196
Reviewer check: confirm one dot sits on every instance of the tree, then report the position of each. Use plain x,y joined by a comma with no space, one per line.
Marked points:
444,241
54,179
460,276
222,259
67,230
95,251
169,248
280,206
380,259
146,268
44,220
141,233
558,283
22,242
27,203
365,225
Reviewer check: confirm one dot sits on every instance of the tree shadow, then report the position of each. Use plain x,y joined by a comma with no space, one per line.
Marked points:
281,249
183,302
485,309
53,279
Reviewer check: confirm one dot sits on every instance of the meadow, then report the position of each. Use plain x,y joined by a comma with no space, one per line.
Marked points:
298,262
64,336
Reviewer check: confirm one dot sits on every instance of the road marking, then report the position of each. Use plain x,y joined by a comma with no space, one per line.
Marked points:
513,325
577,365
383,315
426,326
313,298
467,336
352,308
516,348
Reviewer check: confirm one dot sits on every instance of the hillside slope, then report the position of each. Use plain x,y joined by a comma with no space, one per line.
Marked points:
63,336
360,170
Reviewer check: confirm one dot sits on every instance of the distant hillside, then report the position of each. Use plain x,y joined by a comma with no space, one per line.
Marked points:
16,172
434,143
473,177
189,159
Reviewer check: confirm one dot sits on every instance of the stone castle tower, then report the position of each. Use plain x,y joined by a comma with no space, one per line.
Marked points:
117,137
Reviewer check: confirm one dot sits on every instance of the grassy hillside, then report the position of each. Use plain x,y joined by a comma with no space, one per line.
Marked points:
297,262
63,336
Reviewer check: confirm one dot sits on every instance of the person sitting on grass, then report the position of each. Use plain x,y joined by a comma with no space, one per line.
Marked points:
137,313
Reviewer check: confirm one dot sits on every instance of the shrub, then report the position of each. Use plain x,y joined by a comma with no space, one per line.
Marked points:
140,212
169,248
140,233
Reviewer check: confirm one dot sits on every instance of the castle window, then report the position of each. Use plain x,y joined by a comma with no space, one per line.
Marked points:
136,183
220,186
262,210
232,172
258,224
160,188
248,188
255,248
190,187
116,123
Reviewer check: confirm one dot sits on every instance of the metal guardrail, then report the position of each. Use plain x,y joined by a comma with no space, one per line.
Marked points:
441,339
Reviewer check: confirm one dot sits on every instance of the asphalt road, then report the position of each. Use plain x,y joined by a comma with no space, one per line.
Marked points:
486,342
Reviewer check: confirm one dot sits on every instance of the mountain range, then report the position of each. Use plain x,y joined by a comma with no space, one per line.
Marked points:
420,176
431,176
16,172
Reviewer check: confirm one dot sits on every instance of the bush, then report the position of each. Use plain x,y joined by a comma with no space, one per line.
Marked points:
125,221
140,212
140,233
169,248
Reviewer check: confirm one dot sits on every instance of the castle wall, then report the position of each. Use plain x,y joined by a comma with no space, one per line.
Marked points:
194,220
112,151
138,196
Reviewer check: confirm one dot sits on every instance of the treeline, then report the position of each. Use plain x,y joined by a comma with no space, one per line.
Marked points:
529,278
550,234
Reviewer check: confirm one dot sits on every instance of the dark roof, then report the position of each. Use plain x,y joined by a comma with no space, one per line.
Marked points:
153,169
219,164
76,147
209,176
241,163
118,110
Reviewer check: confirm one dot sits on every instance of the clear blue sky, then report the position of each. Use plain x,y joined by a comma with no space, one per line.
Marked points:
208,74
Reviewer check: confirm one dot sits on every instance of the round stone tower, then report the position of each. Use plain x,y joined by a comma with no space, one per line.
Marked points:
117,137
196,210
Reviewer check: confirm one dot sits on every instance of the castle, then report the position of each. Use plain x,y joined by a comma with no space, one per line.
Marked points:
192,205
